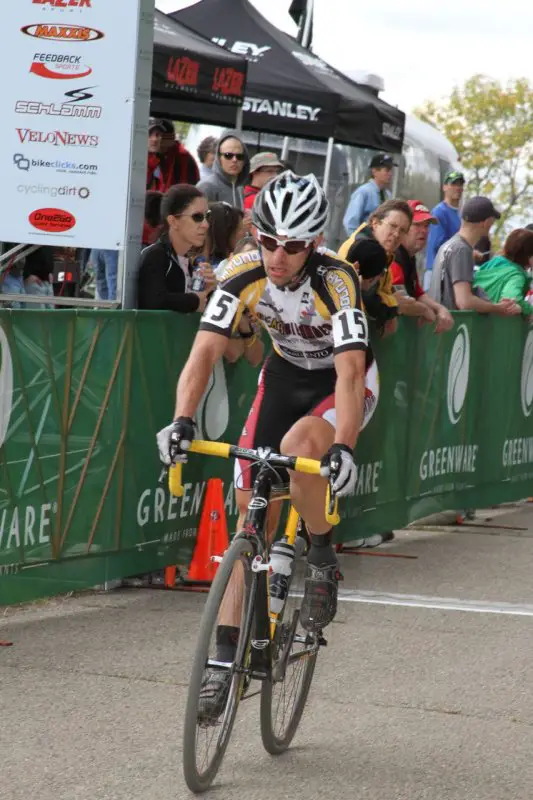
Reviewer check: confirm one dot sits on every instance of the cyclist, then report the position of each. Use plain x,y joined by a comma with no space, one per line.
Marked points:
311,397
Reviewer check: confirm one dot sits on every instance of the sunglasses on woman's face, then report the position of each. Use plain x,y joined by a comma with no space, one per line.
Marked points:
197,217
291,246
232,156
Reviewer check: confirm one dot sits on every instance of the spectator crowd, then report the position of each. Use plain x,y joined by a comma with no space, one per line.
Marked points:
417,262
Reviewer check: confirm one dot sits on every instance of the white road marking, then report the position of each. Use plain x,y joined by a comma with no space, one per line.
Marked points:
438,603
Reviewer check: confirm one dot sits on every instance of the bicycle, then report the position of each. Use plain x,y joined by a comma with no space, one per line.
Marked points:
271,647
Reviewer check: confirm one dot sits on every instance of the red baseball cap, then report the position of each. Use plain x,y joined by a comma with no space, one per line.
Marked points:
421,213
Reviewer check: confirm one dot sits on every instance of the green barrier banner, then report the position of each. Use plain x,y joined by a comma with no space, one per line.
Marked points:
82,394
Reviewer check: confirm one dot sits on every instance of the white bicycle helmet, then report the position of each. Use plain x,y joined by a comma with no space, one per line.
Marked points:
291,205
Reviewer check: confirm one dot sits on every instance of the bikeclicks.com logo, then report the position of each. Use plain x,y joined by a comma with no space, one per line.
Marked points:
59,165
526,378
458,372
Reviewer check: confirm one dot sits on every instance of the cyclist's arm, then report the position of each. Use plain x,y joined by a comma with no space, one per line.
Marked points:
220,318
206,351
349,395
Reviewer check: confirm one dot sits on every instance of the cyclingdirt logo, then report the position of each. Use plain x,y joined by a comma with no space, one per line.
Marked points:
458,374
6,385
526,378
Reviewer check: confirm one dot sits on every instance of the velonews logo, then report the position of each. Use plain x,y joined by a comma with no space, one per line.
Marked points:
458,372
526,379
6,385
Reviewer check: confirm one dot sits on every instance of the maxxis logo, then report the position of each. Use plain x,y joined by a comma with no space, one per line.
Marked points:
6,385
526,378
458,372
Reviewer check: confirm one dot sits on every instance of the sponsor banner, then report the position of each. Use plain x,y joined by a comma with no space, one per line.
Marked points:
449,426
68,111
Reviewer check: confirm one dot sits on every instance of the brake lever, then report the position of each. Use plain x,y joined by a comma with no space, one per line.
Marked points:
332,505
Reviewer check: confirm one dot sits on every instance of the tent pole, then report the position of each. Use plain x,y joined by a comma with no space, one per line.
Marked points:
285,148
327,166
238,119
306,36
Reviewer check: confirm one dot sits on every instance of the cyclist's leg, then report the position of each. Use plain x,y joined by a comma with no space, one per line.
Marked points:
271,415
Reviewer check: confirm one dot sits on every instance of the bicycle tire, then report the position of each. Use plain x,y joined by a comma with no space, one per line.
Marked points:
275,741
198,780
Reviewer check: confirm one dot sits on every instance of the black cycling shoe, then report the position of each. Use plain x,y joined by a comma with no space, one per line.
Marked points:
319,604
213,695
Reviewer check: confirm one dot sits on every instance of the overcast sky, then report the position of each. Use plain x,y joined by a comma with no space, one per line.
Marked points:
421,49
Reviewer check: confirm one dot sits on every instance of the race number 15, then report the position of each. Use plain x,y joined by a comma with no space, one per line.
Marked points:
349,327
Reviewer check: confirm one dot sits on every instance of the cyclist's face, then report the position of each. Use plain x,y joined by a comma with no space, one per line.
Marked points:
389,231
282,268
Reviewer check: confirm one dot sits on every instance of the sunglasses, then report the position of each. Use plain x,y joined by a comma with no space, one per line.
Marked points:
291,246
233,156
197,217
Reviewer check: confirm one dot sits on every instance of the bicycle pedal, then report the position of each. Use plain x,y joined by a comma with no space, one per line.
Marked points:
216,559
322,642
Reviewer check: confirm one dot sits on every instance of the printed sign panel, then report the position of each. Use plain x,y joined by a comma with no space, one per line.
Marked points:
67,113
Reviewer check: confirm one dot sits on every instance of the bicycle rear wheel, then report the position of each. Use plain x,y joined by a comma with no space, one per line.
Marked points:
283,697
206,738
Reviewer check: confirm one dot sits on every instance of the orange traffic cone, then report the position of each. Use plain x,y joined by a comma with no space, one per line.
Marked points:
212,539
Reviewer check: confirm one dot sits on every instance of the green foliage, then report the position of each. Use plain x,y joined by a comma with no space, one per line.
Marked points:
491,127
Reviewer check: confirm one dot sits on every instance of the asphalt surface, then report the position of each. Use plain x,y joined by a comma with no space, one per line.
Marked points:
408,701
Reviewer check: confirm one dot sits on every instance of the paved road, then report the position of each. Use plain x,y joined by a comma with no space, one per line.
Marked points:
408,701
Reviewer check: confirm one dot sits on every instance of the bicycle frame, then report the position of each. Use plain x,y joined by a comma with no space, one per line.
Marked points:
254,531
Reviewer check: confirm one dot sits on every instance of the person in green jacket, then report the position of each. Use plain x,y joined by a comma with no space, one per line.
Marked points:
508,275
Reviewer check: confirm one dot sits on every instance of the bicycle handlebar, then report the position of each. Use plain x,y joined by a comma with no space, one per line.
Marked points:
309,466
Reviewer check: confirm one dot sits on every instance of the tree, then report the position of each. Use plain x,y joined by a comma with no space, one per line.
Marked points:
491,127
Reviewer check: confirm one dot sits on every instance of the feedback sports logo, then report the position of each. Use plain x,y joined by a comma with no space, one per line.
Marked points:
458,372
526,378
52,220
55,66
6,385
62,33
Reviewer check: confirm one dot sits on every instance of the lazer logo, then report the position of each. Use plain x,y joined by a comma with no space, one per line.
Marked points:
57,138
64,3
183,71
59,67
62,33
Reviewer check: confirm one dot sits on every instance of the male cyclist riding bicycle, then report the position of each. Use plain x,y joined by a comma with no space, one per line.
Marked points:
311,397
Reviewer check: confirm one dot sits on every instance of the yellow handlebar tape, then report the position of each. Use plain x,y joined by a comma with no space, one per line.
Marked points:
220,449
308,465
175,484
334,518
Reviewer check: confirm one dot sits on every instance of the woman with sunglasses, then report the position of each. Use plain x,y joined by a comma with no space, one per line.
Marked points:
165,273
229,173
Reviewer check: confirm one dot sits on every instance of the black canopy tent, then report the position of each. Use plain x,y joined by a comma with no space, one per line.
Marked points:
290,91
186,66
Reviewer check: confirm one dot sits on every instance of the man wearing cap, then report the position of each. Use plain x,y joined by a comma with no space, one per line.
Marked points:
403,269
168,160
371,194
448,218
453,270
263,167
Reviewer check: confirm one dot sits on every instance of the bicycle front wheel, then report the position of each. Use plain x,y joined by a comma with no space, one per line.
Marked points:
284,696
207,732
